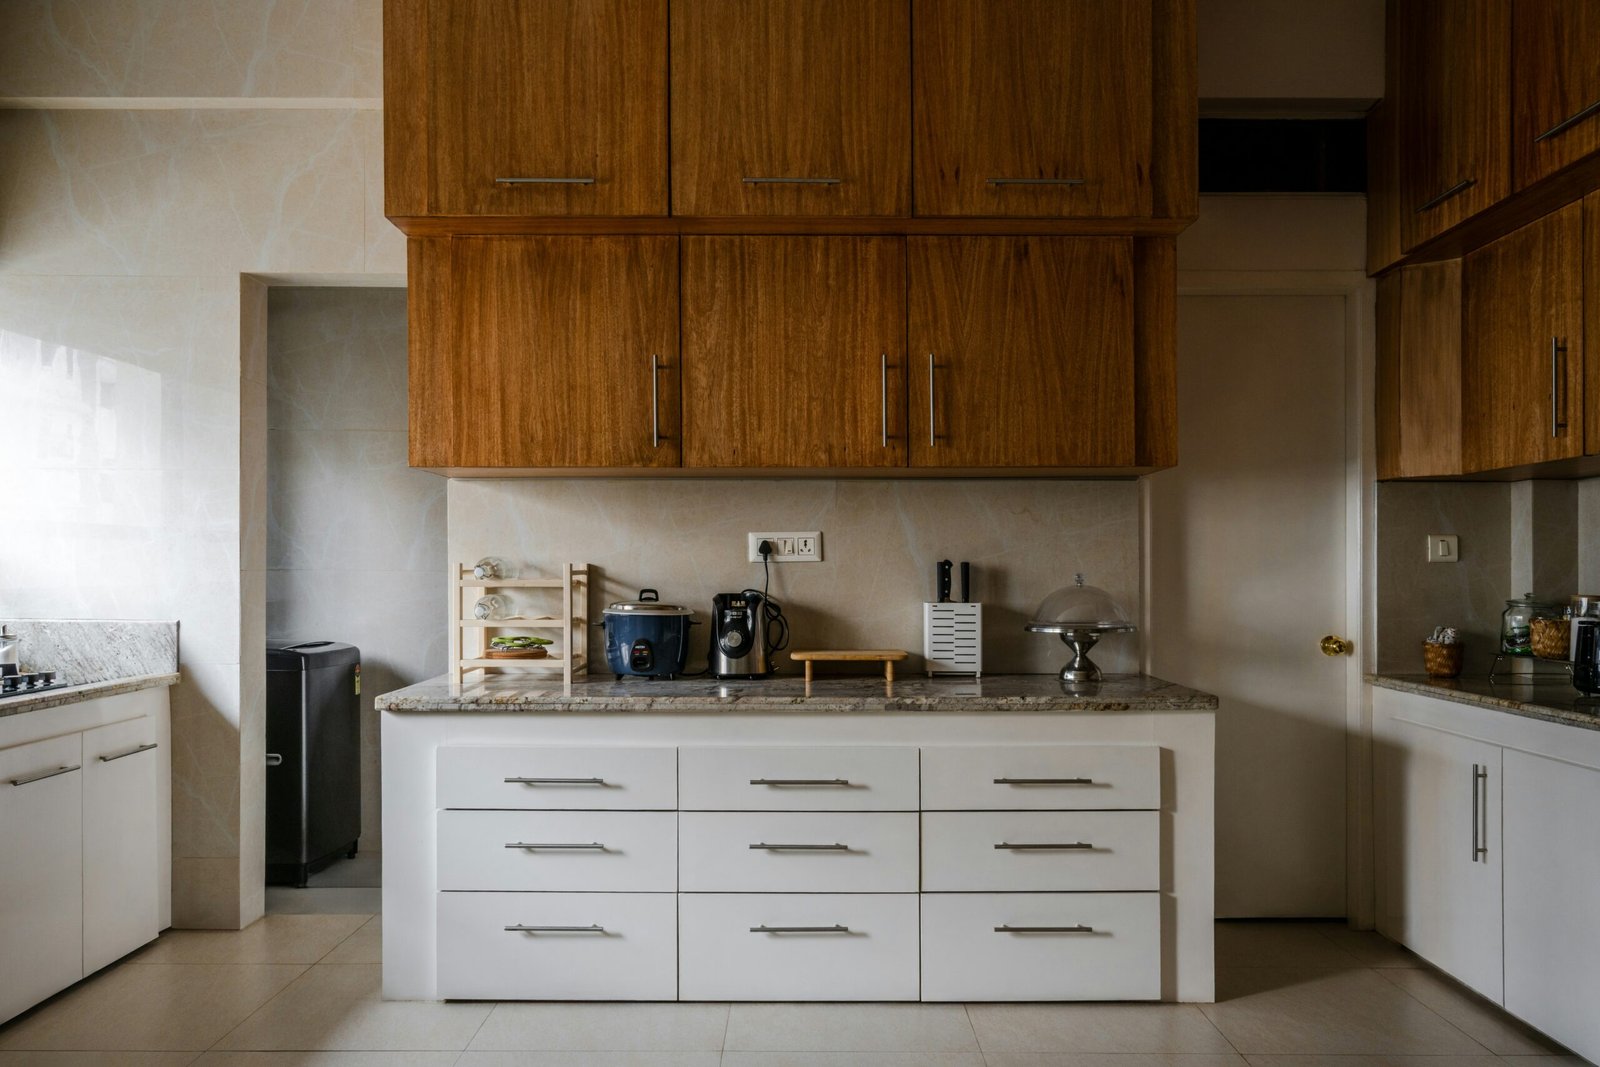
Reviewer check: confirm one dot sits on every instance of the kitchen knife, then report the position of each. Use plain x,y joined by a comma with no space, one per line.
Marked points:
966,581
944,581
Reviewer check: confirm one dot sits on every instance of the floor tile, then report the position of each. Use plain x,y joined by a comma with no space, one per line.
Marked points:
589,1059
219,1058
336,1006
363,946
366,869
1478,1018
286,900
1348,1012
852,1059
96,1059
1545,1061
604,1027
849,1028
1114,1059
1281,944
1095,1028
270,939
1376,1061
1371,948
182,1006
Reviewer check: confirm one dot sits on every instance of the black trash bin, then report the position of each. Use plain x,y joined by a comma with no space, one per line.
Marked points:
313,758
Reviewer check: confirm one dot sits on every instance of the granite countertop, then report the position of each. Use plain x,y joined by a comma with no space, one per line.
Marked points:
1547,696
602,693
72,694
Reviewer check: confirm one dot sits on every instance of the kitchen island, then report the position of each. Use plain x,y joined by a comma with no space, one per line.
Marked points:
950,839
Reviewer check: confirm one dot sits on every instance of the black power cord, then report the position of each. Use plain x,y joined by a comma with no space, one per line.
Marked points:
771,611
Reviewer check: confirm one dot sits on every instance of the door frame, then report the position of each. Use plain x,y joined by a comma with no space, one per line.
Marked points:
1360,368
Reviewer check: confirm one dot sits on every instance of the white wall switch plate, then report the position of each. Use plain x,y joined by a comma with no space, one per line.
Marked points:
804,547
1443,548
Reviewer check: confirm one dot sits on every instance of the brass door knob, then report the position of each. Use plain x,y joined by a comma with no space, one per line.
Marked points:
1337,646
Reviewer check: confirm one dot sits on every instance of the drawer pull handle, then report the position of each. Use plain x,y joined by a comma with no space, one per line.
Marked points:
1006,928
42,775
801,848
1046,846
842,783
134,751
1567,123
799,929
1035,181
1455,190
1044,781
520,929
556,781
544,181
792,181
590,846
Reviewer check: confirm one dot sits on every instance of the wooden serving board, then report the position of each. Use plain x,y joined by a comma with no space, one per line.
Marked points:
887,656
515,653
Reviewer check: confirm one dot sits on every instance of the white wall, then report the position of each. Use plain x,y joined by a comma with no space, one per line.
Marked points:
1290,55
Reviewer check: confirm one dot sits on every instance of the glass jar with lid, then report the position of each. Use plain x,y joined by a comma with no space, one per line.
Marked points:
1516,624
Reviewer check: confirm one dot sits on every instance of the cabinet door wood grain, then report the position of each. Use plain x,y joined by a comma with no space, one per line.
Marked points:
1453,101
1556,99
547,89
794,351
791,107
544,352
1032,107
1522,372
1023,351
1420,360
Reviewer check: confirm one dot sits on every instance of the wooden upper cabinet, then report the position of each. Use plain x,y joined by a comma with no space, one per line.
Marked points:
1022,351
791,107
544,352
1556,98
1419,371
1453,111
531,107
1033,107
794,352
1522,372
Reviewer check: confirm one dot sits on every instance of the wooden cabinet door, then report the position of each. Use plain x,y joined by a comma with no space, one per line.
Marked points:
1522,371
1453,100
1032,107
1419,376
1022,351
544,352
791,107
1556,100
794,351
547,107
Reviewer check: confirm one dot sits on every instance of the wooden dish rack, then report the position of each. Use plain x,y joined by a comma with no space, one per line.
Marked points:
469,637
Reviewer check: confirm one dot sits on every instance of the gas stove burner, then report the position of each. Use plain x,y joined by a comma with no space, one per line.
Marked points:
21,685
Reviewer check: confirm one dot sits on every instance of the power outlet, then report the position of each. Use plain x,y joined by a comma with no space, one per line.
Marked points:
804,547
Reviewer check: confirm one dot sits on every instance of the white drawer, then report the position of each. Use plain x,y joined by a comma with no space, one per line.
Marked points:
718,852
562,851
1050,777
833,778
1012,851
1060,946
550,777
727,953
632,956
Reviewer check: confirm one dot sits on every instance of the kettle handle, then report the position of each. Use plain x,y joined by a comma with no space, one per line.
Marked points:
648,594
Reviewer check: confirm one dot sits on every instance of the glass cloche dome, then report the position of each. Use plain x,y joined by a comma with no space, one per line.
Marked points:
1080,614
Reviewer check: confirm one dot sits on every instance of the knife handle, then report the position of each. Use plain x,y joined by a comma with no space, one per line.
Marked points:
966,581
944,581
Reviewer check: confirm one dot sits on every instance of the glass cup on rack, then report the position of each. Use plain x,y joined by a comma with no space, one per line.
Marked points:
490,568
491,607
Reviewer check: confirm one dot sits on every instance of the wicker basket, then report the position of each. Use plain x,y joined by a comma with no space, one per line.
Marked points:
1441,661
1549,637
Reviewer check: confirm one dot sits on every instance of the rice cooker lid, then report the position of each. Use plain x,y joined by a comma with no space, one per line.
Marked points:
649,603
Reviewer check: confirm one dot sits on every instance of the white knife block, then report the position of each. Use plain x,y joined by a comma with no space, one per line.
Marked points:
952,638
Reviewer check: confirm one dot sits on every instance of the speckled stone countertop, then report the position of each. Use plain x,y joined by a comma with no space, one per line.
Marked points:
601,693
1549,697
54,698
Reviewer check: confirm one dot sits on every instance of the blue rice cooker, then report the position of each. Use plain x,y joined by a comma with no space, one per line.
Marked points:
646,638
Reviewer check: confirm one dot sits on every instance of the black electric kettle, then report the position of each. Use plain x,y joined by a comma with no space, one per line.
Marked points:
1586,655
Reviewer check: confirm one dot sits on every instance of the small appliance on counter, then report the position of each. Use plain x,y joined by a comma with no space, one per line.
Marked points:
16,682
952,632
746,629
1081,615
313,758
646,638
1584,647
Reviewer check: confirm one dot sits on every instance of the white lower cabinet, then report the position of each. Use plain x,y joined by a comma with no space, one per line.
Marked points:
559,851
798,946
558,946
1041,850
41,871
812,852
1041,946
121,879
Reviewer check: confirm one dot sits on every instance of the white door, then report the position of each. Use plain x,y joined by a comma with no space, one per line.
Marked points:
121,879
1247,557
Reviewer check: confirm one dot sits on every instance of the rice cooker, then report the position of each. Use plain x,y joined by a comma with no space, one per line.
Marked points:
646,638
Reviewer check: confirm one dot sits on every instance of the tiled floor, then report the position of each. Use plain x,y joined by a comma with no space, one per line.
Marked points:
302,990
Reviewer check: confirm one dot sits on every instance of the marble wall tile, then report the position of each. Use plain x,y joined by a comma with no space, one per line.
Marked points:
205,893
385,244
181,192
881,540
1589,534
339,359
191,48
82,651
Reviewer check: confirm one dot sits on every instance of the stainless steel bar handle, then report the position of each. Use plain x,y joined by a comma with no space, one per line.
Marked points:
555,781
42,775
1007,928
792,181
1570,121
763,929
655,401
1035,181
590,846
1459,187
1476,851
1045,846
1558,400
883,393
134,751
800,848
544,181
1480,812
841,782
521,929
274,759
1044,781
933,406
